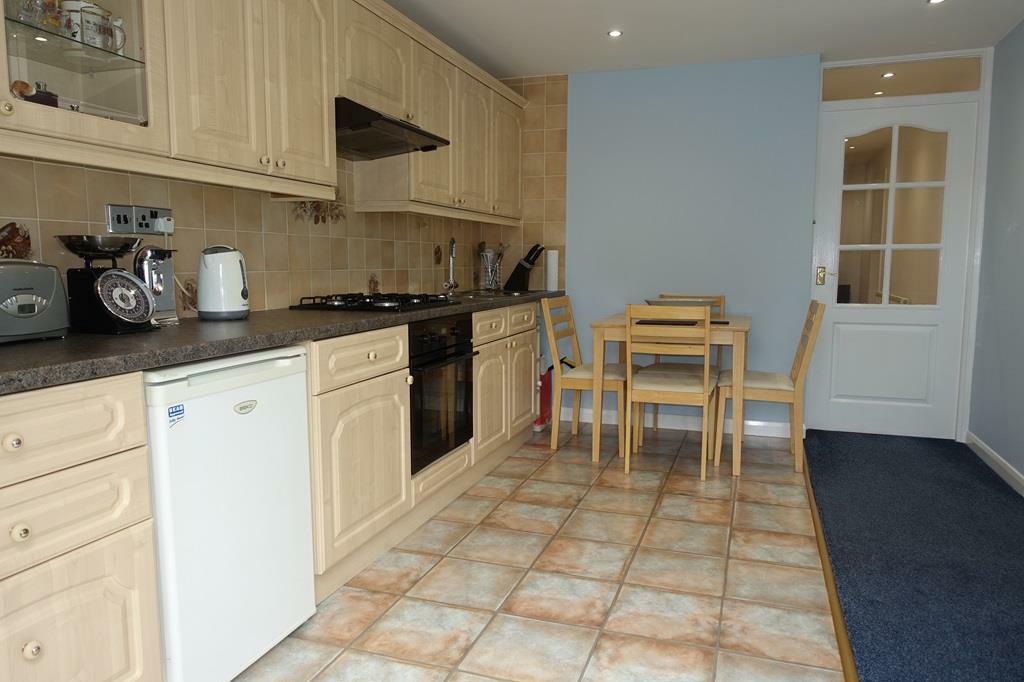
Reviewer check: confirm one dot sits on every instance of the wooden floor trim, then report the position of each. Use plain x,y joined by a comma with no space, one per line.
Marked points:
842,634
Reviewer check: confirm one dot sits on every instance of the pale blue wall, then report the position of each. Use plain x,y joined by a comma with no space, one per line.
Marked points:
997,404
697,179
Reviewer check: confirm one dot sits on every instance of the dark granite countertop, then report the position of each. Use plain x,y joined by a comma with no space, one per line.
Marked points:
36,364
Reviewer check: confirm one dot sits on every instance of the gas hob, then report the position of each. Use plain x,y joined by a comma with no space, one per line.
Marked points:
379,302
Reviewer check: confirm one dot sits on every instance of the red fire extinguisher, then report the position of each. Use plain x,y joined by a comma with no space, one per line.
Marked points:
544,414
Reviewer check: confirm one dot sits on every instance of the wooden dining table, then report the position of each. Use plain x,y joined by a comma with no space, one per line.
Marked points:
731,330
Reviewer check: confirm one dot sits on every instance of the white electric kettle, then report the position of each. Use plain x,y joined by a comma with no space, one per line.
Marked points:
223,287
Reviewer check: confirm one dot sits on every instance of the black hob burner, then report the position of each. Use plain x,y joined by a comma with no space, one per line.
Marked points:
381,302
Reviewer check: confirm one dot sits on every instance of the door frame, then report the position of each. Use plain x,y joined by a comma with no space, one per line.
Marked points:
975,232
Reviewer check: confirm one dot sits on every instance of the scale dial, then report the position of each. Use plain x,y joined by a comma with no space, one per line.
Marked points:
125,296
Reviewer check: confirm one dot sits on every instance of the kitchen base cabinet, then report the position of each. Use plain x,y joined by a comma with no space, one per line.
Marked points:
504,386
490,397
90,614
522,369
361,463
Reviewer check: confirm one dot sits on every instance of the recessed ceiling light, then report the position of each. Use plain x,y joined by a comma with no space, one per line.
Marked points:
879,92
935,2
846,139
615,33
852,147
41,39
888,74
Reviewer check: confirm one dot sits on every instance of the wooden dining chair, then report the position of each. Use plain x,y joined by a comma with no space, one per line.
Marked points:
577,377
777,388
676,331
717,304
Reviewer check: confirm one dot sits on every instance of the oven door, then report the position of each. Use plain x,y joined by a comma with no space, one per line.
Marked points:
442,407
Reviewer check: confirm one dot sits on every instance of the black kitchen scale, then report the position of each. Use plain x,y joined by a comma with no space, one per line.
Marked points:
106,300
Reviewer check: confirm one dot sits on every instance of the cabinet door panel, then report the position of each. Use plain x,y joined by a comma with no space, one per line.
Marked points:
218,94
507,131
490,398
361,464
374,61
523,380
433,109
301,94
92,613
69,125
473,145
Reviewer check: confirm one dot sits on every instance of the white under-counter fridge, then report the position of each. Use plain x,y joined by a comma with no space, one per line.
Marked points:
229,451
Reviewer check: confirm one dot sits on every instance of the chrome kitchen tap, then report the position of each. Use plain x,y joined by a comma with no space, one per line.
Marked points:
450,284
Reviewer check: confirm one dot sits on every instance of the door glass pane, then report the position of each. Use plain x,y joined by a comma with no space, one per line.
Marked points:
915,277
864,215
860,277
922,156
867,157
918,216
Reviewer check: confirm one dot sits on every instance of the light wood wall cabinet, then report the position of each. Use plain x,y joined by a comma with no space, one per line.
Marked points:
388,63
269,105
131,86
91,614
506,165
374,61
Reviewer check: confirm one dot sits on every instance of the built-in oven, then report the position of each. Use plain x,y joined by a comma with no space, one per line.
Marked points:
441,362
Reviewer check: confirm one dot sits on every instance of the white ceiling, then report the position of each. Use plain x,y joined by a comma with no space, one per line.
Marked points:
534,37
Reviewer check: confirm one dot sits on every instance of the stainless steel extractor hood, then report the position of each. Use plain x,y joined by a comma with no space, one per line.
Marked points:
365,134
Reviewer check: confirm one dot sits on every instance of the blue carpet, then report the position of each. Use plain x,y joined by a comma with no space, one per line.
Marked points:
927,548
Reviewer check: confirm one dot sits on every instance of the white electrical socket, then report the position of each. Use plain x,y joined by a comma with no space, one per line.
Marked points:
139,220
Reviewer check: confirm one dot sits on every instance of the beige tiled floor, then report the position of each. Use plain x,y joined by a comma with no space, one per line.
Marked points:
551,568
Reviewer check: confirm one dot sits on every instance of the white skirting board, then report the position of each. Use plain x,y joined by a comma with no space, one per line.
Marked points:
999,465
685,422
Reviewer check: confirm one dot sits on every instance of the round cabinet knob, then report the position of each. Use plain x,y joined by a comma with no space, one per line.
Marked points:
494,325
7,108
13,442
371,356
411,116
32,650
20,532
281,163
515,344
409,380
264,160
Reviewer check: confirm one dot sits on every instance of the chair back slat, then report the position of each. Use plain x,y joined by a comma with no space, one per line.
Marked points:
805,347
649,331
559,324
717,302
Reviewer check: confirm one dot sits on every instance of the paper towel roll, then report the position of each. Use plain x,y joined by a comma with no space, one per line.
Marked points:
551,270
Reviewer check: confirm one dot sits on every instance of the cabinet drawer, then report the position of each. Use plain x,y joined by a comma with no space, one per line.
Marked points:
53,514
440,472
349,359
490,325
90,614
522,318
54,428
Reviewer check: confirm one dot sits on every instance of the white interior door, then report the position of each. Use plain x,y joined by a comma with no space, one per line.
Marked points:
893,210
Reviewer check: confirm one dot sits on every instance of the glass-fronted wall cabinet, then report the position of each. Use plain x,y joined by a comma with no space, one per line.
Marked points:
88,71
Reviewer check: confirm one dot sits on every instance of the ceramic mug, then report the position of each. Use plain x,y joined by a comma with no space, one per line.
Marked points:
95,25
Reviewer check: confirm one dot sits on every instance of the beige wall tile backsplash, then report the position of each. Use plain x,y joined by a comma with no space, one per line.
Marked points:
287,255
544,144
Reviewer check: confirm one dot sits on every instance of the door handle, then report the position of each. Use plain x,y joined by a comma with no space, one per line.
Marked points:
819,275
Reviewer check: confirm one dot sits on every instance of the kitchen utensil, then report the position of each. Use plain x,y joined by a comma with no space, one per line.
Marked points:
223,285
153,266
33,304
491,272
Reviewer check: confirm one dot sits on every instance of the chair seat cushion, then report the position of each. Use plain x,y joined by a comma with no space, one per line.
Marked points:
769,381
677,382
613,372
